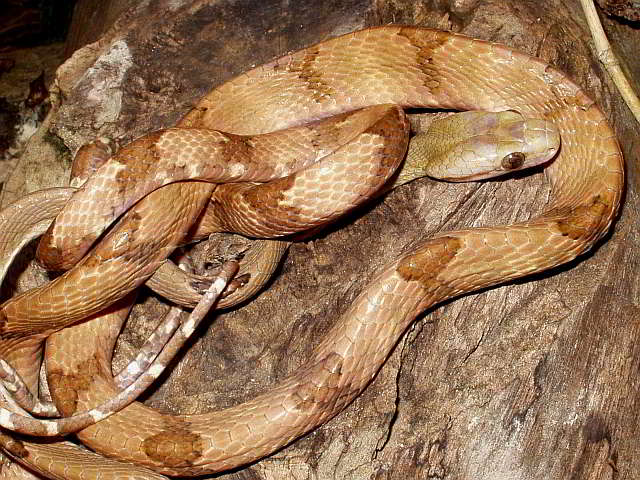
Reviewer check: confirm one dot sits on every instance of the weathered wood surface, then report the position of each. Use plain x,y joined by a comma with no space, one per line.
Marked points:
534,380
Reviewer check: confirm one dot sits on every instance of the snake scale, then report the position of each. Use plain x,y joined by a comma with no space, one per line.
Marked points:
406,66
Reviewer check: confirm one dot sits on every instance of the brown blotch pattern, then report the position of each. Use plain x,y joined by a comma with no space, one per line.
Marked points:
242,148
48,255
174,447
426,263
13,447
311,74
261,204
90,157
426,46
393,147
581,222
269,196
66,388
139,156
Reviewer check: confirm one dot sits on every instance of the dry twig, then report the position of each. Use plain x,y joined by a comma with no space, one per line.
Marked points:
608,58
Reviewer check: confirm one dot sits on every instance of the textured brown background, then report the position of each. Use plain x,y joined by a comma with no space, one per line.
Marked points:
538,379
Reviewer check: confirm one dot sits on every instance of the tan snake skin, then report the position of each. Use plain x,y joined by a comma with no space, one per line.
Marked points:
410,67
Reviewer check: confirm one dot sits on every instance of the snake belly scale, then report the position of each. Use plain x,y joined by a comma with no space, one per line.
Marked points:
411,67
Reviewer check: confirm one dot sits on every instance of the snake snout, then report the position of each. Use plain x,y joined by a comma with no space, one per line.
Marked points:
542,141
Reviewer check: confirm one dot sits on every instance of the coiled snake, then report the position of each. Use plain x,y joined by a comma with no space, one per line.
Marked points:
407,66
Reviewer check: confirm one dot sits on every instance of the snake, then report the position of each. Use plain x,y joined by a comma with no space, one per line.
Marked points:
459,147
405,66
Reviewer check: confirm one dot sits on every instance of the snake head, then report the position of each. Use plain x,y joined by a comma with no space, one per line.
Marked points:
471,146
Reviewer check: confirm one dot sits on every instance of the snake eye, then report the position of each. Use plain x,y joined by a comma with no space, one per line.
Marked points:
513,160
